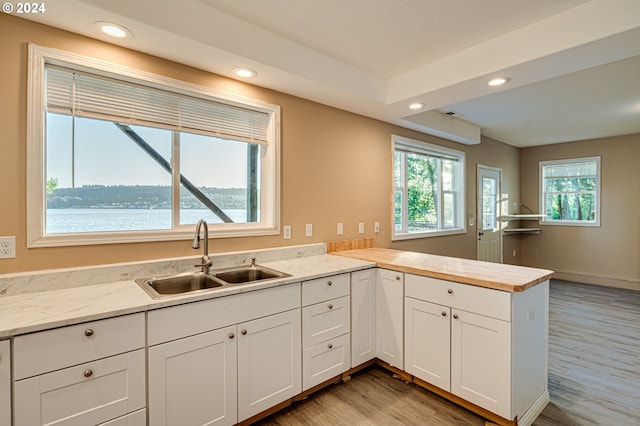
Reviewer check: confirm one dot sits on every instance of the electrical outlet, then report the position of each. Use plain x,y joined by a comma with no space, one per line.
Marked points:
287,232
514,252
361,228
340,228
308,230
376,227
7,247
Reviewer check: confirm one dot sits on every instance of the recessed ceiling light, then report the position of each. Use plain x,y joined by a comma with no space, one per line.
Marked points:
244,72
113,30
499,81
416,106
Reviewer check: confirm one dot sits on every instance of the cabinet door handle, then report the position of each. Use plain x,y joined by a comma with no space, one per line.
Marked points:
397,277
88,372
330,306
455,316
329,283
231,335
88,332
244,332
449,291
444,313
330,346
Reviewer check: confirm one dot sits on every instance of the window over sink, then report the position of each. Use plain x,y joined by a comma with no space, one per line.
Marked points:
120,155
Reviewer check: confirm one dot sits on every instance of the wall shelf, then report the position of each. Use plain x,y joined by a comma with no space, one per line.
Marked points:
522,217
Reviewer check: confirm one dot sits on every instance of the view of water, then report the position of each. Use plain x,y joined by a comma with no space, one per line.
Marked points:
102,220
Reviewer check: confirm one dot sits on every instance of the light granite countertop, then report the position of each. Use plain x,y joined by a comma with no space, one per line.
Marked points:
41,310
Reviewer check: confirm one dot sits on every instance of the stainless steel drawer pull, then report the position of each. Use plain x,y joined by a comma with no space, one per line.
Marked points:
88,332
88,372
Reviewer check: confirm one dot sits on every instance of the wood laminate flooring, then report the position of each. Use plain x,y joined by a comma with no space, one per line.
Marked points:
594,374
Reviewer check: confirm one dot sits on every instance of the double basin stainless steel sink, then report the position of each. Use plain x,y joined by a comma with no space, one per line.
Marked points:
189,282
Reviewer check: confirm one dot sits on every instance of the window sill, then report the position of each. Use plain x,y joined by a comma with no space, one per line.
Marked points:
416,235
571,223
97,238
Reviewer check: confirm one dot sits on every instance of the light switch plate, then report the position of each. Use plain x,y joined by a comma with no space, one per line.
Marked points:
287,232
340,228
361,228
308,230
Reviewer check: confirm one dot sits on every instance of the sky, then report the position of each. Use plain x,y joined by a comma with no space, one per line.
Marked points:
106,156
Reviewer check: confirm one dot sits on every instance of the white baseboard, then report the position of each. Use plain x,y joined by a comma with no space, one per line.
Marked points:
534,411
597,279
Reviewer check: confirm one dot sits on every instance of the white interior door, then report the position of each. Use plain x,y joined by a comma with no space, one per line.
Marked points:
488,195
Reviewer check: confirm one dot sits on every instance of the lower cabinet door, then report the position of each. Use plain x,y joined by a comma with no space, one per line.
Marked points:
87,394
481,361
325,360
363,316
192,381
427,342
5,383
389,317
269,362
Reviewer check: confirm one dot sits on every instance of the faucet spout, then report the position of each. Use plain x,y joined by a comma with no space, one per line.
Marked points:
205,263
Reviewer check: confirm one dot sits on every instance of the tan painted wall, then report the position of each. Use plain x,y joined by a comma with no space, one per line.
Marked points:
609,254
336,165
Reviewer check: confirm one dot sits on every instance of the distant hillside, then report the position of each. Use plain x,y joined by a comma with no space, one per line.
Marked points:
140,197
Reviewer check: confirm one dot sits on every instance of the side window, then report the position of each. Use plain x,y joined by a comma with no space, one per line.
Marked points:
570,191
129,156
428,185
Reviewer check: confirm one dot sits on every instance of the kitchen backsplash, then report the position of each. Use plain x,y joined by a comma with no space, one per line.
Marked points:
55,279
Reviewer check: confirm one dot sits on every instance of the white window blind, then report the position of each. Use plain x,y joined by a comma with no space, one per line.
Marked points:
83,94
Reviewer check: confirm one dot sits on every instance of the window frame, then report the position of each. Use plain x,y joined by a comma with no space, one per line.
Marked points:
36,158
542,201
425,148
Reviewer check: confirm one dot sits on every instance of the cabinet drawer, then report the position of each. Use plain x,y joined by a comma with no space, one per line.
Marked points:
325,320
139,418
90,393
325,360
50,350
321,289
480,300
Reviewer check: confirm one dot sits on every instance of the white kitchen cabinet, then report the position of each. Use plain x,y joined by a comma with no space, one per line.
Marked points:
269,362
5,382
428,342
389,317
363,316
89,373
223,360
193,380
486,346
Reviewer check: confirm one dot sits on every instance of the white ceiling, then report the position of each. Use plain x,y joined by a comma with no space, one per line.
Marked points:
573,64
